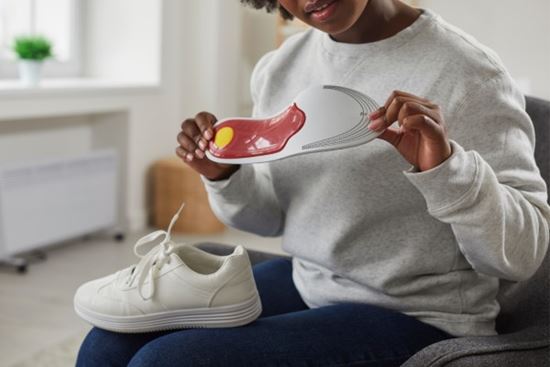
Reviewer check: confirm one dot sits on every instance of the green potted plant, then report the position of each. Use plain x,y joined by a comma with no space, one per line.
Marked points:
31,51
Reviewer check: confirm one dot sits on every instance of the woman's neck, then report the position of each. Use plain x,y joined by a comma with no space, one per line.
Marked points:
381,19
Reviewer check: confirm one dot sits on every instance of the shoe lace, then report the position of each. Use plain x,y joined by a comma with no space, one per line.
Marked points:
153,260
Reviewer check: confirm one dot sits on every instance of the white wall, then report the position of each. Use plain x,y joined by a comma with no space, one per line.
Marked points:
122,39
220,48
519,31
258,37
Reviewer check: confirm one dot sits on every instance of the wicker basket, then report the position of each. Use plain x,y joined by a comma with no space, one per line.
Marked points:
173,183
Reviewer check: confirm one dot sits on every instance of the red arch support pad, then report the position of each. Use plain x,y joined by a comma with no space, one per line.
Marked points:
241,138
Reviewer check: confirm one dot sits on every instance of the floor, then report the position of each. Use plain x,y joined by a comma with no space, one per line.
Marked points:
37,324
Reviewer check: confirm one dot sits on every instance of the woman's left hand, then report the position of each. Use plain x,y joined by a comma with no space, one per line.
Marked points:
422,135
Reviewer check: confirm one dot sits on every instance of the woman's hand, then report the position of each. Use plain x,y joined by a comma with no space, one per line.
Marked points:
422,135
193,140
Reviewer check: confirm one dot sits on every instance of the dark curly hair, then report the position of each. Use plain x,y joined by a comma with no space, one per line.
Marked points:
269,5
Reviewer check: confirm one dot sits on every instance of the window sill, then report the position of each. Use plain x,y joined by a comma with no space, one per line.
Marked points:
12,88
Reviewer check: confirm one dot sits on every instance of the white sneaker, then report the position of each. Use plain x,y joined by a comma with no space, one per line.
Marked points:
172,286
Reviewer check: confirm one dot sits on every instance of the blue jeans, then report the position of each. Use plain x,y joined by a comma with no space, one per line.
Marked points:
288,333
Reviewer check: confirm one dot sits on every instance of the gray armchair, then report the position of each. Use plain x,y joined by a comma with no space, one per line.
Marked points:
523,324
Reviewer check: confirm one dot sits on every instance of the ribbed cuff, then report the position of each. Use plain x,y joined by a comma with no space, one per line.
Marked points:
448,184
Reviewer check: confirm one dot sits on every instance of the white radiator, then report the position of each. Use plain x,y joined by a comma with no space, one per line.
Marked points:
51,201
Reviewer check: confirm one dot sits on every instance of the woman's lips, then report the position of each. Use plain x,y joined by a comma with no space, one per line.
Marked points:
323,10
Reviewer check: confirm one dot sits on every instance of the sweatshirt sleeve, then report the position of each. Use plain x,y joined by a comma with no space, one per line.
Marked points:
246,200
490,190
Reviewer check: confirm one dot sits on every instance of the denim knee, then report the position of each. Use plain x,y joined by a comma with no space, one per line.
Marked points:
192,347
104,348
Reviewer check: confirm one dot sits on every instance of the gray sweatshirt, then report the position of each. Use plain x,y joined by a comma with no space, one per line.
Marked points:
360,224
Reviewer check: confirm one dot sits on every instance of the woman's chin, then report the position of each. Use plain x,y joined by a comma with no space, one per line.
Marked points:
334,29
340,20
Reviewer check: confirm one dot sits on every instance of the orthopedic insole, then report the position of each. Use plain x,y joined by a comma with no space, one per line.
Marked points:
320,118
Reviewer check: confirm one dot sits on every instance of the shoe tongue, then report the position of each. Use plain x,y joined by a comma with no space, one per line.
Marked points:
128,271
123,274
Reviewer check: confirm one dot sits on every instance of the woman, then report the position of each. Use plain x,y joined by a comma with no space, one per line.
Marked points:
396,244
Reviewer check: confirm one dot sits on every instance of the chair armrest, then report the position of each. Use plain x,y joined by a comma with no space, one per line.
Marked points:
255,256
528,347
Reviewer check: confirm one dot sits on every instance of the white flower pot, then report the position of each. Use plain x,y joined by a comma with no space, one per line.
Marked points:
30,72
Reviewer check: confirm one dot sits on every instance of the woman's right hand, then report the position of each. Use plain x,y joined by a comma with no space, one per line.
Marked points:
196,133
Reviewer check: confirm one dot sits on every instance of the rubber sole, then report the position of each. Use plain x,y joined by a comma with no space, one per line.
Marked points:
212,317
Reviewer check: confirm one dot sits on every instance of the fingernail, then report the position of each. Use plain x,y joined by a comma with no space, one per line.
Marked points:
199,153
202,144
374,115
189,157
208,134
376,124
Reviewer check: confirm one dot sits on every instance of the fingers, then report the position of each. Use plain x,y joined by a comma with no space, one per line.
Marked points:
205,121
396,94
413,114
193,139
190,147
421,123
424,124
413,108
399,106
422,135
392,136
182,153
194,136
190,139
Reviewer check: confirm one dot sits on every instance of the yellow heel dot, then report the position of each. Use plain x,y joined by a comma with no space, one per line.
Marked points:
223,137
